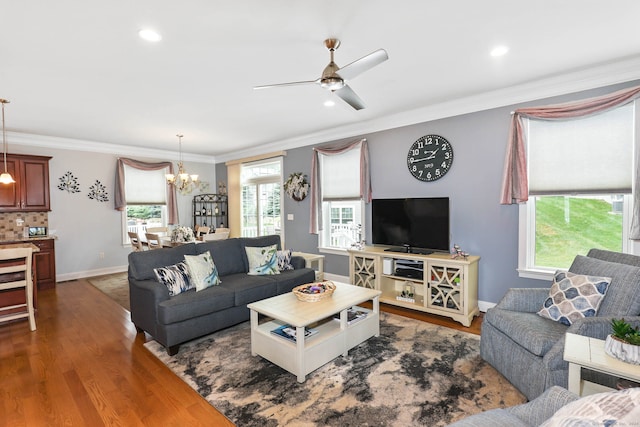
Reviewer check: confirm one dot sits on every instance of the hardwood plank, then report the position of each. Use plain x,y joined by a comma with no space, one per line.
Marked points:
432,318
86,365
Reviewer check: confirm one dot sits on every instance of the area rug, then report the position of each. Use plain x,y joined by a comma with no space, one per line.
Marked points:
115,286
413,374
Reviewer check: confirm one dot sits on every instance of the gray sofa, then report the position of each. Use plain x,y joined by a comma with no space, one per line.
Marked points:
528,349
530,414
188,315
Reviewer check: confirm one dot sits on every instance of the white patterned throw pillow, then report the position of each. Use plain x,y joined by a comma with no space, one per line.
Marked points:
175,278
202,270
263,260
615,408
574,296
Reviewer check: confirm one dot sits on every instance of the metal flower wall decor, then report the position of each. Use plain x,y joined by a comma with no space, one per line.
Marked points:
98,192
69,183
296,186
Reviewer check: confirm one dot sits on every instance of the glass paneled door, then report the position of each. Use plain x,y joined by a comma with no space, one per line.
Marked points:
261,199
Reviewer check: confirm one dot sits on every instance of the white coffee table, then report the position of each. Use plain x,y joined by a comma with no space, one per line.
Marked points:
586,352
334,337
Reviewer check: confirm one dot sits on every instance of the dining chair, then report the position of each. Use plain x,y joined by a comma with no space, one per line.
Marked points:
222,230
15,266
201,231
154,241
215,236
137,244
158,230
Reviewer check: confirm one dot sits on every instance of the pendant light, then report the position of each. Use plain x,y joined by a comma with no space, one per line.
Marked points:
5,177
184,182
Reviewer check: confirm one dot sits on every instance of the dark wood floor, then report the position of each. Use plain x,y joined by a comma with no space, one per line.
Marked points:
86,366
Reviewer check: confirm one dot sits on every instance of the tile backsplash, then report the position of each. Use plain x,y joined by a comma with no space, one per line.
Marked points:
9,230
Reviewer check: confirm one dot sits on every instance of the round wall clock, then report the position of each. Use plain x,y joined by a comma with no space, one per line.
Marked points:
430,158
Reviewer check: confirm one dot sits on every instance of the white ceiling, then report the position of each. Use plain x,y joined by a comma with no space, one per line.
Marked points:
77,70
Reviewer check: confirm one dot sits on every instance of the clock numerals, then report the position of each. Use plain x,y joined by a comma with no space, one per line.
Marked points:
430,158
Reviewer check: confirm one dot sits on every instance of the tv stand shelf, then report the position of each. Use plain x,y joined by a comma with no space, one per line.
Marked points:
434,283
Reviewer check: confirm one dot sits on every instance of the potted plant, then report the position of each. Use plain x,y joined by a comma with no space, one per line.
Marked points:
624,342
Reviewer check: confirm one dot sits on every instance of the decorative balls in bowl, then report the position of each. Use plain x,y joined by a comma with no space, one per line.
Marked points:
312,292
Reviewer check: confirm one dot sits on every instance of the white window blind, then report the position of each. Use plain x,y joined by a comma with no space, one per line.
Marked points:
145,187
589,155
341,175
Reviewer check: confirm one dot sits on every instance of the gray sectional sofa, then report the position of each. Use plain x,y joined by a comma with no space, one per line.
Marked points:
174,320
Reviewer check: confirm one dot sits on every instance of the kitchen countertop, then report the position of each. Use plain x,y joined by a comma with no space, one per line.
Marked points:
26,240
7,245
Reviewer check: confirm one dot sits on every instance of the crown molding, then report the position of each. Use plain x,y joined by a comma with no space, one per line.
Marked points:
562,84
32,140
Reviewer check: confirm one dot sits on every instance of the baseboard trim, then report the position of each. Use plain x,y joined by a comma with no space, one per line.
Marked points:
484,305
90,273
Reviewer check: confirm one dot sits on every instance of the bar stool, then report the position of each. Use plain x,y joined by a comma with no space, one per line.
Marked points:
13,262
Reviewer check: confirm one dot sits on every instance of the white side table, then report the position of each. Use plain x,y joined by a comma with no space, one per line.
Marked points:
310,259
586,352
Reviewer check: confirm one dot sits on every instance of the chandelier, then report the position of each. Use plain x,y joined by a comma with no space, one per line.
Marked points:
5,177
184,182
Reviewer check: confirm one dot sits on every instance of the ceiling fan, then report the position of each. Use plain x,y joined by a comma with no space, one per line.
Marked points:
333,77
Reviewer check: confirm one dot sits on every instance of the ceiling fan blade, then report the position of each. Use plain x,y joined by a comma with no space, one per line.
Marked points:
363,64
287,84
349,96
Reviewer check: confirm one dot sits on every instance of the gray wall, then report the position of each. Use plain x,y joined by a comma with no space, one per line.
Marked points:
479,224
85,227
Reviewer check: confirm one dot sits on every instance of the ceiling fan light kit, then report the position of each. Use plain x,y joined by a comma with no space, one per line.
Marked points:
333,77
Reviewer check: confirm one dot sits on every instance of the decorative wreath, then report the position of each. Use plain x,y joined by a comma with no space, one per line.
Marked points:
296,186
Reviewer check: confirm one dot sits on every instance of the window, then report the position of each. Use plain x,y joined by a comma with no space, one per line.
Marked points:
343,230
146,200
261,198
341,215
580,181
342,206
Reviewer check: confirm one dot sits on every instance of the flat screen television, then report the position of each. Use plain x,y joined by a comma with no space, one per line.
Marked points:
417,225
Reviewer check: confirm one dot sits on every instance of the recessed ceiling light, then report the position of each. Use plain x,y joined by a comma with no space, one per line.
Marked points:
149,35
499,51
329,103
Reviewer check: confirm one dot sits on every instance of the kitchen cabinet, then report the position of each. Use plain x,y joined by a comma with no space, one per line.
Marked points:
30,192
45,263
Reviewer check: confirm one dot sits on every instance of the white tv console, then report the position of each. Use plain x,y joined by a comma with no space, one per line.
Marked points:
448,287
